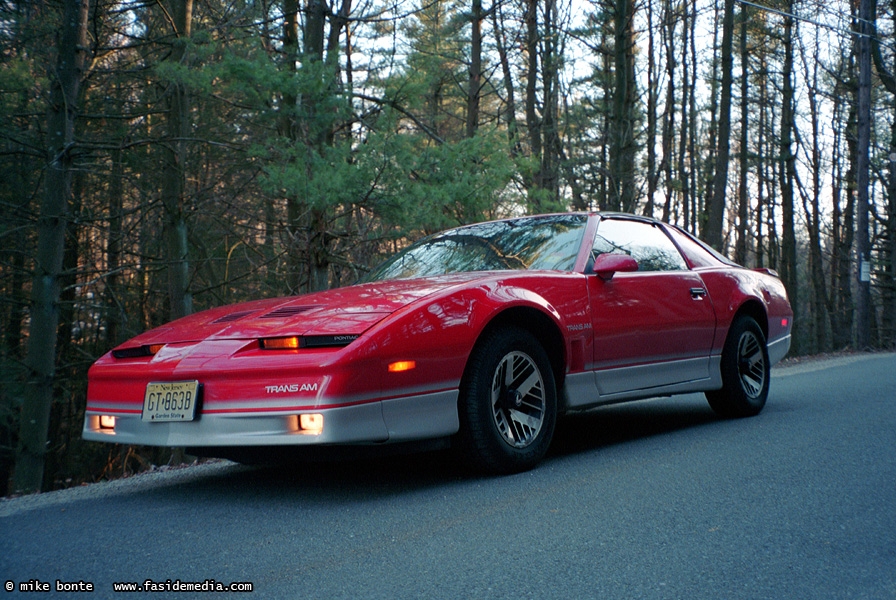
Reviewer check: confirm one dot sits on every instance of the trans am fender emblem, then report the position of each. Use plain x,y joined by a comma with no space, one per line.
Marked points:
291,388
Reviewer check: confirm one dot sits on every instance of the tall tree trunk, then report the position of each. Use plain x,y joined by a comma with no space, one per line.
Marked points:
307,256
13,256
843,309
863,246
772,176
507,77
743,229
888,322
474,86
319,237
550,159
288,128
712,150
69,277
309,220
716,209
813,215
652,98
761,164
622,150
686,124
533,123
270,216
603,181
41,350
788,174
692,142
544,141
668,132
174,180
116,314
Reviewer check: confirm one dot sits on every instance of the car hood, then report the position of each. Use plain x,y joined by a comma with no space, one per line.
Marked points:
343,311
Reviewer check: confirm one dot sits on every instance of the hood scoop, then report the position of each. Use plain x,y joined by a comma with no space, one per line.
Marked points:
235,316
285,312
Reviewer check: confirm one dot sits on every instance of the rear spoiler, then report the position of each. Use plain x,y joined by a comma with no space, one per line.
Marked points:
768,271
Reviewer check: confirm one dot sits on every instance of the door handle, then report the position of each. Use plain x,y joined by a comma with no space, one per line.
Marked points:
697,293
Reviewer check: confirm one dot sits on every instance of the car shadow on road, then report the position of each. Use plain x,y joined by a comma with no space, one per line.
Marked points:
621,423
320,481
369,477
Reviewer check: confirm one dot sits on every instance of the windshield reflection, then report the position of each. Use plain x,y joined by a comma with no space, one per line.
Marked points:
550,243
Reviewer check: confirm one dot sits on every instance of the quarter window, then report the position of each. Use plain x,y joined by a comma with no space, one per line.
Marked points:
646,243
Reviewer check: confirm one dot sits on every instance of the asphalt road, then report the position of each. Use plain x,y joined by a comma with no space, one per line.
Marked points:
655,499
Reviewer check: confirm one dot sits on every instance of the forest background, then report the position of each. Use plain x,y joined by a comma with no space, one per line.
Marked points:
159,157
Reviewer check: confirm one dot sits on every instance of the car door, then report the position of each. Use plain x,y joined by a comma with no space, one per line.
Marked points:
654,327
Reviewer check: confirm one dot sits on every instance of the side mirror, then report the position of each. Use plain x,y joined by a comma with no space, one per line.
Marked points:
607,265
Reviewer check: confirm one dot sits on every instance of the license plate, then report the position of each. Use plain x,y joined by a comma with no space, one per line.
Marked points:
170,401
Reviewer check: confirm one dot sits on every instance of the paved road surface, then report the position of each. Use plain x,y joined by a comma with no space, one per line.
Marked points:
655,499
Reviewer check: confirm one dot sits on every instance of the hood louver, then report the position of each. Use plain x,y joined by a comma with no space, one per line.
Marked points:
284,312
233,317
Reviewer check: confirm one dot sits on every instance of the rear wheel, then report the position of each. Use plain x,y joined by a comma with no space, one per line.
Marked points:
745,371
508,403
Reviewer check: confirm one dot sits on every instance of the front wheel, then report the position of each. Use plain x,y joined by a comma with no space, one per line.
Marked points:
745,371
508,403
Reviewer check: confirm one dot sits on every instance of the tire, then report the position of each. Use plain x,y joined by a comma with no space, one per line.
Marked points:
745,371
508,403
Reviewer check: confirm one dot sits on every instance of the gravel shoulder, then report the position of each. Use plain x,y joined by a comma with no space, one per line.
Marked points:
156,478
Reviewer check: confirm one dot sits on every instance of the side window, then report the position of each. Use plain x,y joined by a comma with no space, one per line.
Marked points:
646,243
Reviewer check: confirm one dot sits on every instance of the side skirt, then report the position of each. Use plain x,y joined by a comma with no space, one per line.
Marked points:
581,390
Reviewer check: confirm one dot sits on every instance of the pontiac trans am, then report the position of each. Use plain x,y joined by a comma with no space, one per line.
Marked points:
479,336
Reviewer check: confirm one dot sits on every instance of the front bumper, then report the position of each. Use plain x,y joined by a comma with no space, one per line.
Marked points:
406,418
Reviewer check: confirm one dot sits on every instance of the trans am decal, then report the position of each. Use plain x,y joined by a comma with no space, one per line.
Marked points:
291,388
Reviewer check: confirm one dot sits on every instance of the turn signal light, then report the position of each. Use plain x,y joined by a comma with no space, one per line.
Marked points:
402,365
336,340
107,422
284,343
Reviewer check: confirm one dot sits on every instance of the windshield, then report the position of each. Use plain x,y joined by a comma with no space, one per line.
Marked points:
550,243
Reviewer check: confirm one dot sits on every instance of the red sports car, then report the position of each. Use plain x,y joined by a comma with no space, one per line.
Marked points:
479,336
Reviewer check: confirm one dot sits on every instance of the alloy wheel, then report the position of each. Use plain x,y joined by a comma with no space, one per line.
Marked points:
751,364
518,399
